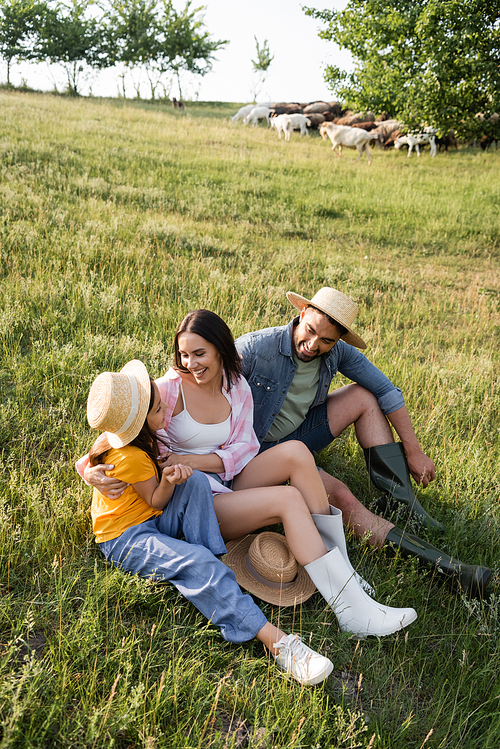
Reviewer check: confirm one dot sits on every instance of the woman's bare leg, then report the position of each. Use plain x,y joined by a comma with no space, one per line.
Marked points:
288,461
293,461
244,511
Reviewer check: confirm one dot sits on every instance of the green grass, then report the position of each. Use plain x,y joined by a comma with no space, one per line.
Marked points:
118,217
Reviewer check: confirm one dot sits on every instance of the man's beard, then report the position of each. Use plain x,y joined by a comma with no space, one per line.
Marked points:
303,356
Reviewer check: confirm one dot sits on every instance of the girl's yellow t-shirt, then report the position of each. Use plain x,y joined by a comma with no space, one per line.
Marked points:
111,517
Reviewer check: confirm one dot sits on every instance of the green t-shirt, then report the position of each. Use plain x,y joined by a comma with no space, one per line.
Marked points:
298,400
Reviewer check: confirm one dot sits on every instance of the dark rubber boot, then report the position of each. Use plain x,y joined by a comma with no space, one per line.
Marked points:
389,472
472,580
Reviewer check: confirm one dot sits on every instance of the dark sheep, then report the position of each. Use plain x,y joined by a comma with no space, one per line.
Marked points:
389,143
351,119
487,140
447,141
284,108
336,108
316,119
365,125
385,128
178,104
316,107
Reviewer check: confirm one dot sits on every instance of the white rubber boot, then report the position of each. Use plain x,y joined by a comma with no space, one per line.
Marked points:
355,611
331,529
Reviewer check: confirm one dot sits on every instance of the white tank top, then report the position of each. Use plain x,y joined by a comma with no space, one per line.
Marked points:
185,435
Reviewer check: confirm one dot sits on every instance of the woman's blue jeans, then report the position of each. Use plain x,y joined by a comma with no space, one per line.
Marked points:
153,550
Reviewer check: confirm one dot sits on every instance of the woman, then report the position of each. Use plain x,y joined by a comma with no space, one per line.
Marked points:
208,420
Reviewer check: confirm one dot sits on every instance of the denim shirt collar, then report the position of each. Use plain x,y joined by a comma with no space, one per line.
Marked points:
286,347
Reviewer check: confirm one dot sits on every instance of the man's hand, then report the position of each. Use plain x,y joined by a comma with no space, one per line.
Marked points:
109,487
177,474
421,468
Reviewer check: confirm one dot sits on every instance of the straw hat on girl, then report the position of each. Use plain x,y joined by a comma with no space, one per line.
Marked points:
118,402
265,566
336,305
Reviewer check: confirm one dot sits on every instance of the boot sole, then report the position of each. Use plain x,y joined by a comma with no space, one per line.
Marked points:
477,588
363,635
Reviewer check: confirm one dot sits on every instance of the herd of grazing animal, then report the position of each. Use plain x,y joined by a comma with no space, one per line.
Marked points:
357,131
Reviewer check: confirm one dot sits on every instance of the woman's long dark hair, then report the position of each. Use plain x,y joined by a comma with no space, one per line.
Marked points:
146,440
213,329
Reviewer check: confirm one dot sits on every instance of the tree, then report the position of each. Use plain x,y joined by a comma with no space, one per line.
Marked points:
134,28
19,21
159,39
184,44
262,64
432,62
72,37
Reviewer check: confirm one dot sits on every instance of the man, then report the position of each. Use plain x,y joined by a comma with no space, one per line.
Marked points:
290,370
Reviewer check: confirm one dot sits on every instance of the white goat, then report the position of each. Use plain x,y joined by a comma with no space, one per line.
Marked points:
286,123
350,137
256,114
280,123
242,112
298,122
419,139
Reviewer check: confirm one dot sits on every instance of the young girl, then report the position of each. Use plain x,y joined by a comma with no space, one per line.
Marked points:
208,420
138,532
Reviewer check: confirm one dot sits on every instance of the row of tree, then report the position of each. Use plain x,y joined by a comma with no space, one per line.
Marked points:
433,62
83,35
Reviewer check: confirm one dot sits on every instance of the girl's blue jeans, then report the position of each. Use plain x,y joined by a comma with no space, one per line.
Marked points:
153,550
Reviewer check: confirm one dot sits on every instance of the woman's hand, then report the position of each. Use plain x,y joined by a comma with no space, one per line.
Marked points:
210,463
109,487
176,474
168,459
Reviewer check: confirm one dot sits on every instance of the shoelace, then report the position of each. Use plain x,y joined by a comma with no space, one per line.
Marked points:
296,646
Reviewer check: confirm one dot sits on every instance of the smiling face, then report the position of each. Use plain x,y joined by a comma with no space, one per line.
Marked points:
314,335
156,416
200,358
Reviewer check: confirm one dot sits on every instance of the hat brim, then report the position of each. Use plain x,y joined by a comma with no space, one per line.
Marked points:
300,590
300,302
136,369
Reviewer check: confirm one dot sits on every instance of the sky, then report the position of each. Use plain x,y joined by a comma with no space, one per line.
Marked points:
296,73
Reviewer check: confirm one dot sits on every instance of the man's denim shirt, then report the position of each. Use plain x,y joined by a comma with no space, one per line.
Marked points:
269,368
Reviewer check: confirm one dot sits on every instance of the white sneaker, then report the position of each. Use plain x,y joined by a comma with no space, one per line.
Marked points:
304,664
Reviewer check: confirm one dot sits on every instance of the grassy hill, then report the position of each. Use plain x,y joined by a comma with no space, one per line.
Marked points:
119,217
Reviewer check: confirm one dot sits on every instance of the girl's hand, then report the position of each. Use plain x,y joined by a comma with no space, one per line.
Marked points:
176,474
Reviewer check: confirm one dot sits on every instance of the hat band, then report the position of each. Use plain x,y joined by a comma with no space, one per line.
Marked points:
134,407
264,580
